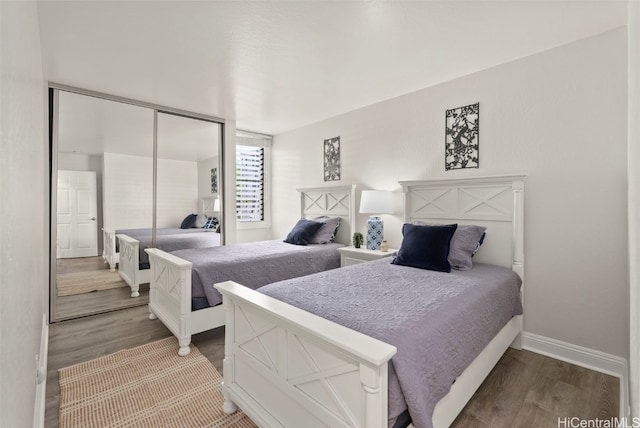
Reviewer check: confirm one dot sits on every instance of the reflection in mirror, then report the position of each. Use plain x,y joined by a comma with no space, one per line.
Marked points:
186,213
188,183
104,184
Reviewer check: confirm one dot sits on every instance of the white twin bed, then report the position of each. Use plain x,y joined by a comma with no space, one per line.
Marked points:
286,367
172,277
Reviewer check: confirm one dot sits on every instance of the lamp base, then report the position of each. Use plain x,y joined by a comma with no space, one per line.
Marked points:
375,229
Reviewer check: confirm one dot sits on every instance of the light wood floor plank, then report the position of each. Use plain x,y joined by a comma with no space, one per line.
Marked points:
605,398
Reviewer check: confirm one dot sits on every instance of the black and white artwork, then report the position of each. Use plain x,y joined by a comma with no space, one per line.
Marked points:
214,180
461,137
332,159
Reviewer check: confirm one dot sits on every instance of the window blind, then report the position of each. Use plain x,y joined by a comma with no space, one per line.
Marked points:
249,183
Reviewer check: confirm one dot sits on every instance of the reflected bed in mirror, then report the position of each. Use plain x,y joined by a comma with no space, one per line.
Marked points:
208,221
196,231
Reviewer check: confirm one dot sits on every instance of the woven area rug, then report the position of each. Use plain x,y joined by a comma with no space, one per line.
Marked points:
70,284
147,386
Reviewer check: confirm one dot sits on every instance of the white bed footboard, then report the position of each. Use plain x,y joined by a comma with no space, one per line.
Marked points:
129,264
170,295
109,252
286,367
170,299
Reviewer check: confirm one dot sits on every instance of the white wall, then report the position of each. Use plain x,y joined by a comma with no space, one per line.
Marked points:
634,203
254,234
177,191
559,116
127,191
24,243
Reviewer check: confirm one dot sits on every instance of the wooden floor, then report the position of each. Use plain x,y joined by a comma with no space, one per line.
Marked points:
526,390
523,390
94,302
80,264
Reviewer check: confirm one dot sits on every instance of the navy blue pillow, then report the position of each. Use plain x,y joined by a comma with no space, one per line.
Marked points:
426,246
303,231
189,221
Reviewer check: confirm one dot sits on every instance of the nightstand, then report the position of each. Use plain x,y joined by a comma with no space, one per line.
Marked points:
352,256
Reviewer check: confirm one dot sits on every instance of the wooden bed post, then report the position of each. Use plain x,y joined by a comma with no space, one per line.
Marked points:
518,246
109,251
129,262
375,401
228,406
170,295
518,227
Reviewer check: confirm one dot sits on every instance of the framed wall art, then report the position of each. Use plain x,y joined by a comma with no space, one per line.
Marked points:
214,180
332,159
462,140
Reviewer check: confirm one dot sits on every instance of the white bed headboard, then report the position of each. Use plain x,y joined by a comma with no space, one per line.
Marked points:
494,202
334,201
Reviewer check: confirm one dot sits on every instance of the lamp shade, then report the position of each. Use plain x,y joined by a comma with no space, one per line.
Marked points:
376,202
216,205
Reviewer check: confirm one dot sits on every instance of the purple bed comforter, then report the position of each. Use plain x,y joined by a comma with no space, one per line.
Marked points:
171,239
439,322
254,264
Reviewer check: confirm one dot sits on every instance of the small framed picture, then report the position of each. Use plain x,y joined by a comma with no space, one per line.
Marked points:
214,180
461,137
332,159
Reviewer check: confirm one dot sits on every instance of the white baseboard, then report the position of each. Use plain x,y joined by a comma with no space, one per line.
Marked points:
584,357
41,375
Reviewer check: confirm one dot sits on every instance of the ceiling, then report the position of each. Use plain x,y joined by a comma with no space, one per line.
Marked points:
276,66
93,126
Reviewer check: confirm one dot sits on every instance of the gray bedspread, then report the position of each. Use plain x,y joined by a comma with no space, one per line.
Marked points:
171,239
255,264
146,233
439,322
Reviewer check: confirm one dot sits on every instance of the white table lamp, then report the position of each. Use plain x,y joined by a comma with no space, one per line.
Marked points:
375,202
216,205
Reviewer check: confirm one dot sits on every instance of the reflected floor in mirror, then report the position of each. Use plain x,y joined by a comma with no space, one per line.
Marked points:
85,286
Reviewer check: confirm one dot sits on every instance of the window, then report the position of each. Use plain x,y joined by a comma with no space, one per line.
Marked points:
252,163
249,183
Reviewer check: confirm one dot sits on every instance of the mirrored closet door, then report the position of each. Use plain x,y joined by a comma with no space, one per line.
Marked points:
188,205
111,197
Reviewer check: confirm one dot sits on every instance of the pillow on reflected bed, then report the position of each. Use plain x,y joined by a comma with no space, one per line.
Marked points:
212,223
201,221
188,221
303,232
426,246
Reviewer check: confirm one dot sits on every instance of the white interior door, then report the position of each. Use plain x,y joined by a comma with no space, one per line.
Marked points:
77,212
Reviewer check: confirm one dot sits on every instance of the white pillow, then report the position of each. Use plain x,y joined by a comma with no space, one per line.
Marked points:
201,220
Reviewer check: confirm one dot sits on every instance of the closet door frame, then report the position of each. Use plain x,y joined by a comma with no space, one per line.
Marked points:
54,89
